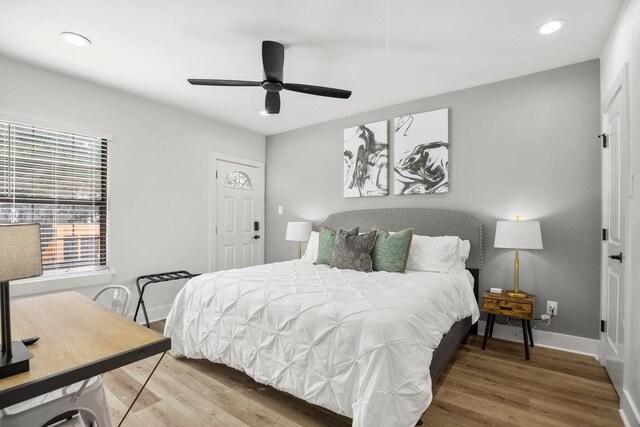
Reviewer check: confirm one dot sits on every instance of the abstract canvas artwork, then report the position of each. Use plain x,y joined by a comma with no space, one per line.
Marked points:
421,153
366,160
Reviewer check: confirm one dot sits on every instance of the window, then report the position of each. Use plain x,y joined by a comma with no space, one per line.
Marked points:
57,179
239,180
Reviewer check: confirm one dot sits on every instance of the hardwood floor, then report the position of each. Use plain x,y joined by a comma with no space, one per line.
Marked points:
495,387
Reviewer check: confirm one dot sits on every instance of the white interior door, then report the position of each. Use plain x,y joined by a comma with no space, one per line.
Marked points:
238,209
616,188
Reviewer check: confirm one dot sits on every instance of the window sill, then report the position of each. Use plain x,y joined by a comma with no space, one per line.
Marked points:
38,285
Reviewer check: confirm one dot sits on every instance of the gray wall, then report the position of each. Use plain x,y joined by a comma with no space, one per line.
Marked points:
523,146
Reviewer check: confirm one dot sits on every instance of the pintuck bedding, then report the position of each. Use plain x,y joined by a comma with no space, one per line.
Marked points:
359,344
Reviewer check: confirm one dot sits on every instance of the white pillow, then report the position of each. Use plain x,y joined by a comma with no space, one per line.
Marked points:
439,254
465,250
311,253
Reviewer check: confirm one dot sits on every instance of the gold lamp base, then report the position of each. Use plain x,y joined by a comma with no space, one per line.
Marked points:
516,294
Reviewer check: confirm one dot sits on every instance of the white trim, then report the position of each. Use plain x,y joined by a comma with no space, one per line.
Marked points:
57,283
629,411
554,340
215,156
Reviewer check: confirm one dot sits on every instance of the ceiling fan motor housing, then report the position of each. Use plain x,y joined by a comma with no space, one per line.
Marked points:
272,86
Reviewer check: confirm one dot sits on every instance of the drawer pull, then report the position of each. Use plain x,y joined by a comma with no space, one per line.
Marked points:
504,307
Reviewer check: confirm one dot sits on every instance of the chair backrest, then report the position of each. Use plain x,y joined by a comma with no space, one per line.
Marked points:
120,300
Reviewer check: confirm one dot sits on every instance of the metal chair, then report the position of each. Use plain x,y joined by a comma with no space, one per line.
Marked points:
86,398
117,304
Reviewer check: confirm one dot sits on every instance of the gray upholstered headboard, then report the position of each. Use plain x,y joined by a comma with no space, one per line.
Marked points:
425,222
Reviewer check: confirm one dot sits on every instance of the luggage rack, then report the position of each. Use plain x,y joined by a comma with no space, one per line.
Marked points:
156,278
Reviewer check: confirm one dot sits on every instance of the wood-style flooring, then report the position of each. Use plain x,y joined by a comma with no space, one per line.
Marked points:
496,387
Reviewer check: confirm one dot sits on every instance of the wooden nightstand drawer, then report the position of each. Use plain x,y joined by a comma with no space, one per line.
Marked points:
520,310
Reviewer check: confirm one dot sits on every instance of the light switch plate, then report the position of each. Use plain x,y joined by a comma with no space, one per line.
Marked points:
280,210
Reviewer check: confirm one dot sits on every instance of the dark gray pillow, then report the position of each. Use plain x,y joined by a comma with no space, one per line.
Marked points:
353,252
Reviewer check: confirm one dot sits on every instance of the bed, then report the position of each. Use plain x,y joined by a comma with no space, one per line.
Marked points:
364,345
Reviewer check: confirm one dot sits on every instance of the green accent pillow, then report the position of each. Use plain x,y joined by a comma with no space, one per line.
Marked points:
391,251
327,243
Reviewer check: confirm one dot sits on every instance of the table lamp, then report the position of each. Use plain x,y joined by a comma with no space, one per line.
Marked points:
518,235
298,232
20,258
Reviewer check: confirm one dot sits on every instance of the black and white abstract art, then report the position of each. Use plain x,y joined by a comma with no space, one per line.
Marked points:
366,160
421,153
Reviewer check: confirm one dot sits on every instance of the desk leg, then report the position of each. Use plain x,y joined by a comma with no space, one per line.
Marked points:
490,318
526,339
530,333
141,389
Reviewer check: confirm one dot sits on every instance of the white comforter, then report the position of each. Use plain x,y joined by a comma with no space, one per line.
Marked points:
359,344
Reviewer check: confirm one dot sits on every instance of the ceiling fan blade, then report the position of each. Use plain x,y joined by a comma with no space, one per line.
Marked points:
272,103
318,90
272,60
215,82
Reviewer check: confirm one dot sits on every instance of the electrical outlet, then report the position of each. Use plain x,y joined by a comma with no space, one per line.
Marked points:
280,210
552,308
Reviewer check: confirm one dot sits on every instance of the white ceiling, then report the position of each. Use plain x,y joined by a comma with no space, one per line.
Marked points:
150,47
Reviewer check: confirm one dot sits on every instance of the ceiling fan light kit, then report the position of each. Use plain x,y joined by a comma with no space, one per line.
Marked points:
273,64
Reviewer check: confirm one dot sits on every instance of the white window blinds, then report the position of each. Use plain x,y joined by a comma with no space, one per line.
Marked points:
57,179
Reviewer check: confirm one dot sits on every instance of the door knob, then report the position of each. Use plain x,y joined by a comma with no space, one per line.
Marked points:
618,257
256,237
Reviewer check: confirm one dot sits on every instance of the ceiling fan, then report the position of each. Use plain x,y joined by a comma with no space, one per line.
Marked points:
273,63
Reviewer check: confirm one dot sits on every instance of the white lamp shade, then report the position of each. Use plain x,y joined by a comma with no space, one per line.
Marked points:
20,252
518,235
298,231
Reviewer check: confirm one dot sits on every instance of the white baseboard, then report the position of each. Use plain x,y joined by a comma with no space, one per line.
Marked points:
156,313
629,411
570,343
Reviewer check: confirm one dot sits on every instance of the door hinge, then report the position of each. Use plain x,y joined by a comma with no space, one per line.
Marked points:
216,174
603,326
216,229
604,139
604,234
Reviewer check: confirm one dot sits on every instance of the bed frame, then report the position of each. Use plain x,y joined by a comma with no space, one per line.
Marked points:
426,222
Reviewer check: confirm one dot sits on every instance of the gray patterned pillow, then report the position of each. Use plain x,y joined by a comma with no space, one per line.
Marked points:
353,252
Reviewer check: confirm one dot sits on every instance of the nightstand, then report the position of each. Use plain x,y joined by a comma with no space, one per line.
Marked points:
516,308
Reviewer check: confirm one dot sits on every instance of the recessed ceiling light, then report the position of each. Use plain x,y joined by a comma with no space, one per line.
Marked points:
552,26
75,39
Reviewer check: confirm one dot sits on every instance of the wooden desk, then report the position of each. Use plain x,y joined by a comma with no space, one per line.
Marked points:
78,340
